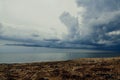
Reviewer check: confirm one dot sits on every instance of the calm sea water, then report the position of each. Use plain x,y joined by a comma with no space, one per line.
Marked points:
15,54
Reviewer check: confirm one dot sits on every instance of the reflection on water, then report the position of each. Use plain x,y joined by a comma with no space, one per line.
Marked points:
23,54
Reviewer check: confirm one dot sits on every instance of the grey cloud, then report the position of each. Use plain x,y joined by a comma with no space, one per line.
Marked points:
100,5
35,35
72,25
99,9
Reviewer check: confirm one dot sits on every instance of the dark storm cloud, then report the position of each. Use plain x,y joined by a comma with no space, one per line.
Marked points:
102,17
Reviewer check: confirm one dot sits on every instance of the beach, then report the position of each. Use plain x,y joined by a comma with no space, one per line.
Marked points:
78,69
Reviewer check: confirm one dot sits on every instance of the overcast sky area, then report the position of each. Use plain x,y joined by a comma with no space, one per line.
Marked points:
89,24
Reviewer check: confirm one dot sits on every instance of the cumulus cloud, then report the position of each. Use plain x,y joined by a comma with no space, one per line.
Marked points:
72,25
99,21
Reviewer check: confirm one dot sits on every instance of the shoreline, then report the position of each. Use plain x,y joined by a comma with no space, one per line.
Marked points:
76,69
12,63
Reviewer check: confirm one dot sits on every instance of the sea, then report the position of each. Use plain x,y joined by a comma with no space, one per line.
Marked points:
20,54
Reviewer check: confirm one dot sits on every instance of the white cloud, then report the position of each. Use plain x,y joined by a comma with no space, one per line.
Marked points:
114,33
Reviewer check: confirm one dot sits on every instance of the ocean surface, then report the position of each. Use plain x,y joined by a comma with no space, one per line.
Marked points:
17,54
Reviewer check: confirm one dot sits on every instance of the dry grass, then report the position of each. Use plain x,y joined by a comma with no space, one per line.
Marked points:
80,69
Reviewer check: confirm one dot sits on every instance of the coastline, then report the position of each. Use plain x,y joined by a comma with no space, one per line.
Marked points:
77,69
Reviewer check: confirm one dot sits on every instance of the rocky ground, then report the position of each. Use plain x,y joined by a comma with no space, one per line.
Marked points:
80,69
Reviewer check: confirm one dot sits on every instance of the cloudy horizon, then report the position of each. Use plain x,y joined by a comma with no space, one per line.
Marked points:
60,23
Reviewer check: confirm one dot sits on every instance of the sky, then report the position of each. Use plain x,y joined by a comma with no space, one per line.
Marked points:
88,24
